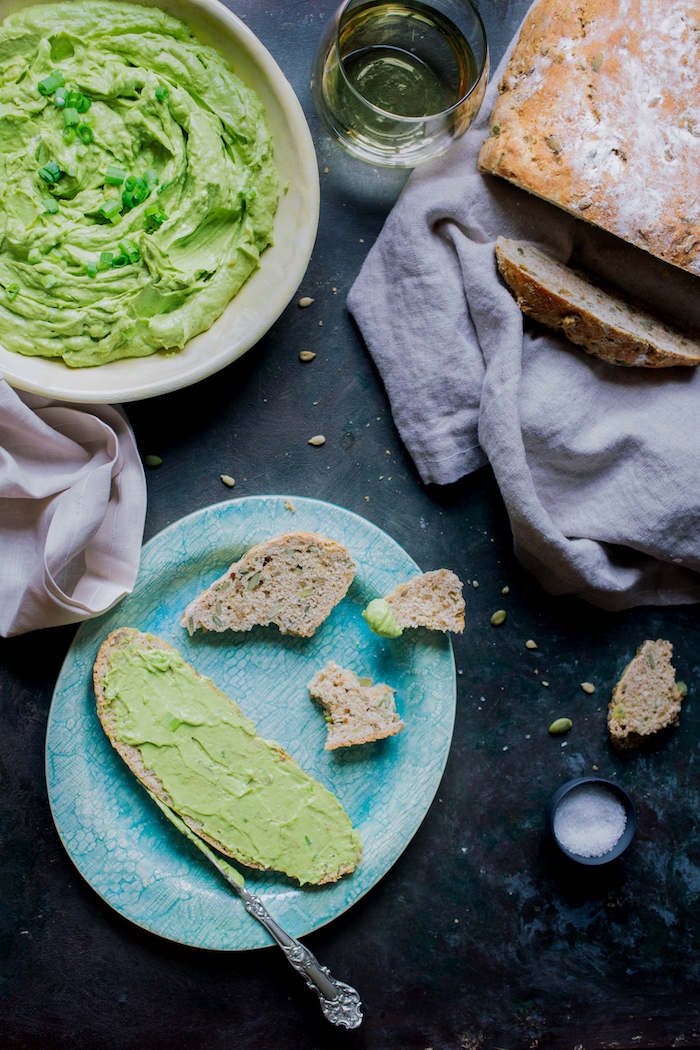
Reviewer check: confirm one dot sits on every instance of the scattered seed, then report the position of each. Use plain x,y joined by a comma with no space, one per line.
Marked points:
498,618
152,462
588,687
228,480
506,590
682,689
560,725
530,644
307,355
317,440
305,301
475,583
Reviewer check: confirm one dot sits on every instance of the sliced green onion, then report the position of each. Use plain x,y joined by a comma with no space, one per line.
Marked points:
34,256
155,216
72,170
92,269
162,93
85,133
111,210
49,281
83,104
119,260
131,250
48,85
51,206
57,254
50,172
71,115
105,262
150,176
130,183
69,133
74,96
60,96
163,186
12,291
115,174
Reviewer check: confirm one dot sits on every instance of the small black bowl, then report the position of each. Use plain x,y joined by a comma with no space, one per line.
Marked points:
624,839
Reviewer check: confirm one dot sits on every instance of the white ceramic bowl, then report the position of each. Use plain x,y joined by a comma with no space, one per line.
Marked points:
282,266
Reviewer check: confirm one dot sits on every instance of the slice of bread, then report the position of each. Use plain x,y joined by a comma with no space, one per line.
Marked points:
603,323
294,581
647,698
193,748
355,713
432,600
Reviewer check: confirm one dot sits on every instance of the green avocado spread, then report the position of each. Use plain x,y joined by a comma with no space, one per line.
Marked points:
137,186
244,791
380,619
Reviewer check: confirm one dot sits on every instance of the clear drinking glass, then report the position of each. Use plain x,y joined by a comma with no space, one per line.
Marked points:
397,81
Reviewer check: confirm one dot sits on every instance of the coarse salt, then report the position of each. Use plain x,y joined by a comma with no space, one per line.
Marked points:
589,820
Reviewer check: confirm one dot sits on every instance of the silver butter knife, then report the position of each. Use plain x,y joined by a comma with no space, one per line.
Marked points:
340,1003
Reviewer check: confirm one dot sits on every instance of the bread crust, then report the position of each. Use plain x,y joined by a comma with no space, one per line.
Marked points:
602,322
120,639
297,579
598,113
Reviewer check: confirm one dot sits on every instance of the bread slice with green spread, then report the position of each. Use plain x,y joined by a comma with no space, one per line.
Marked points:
293,581
357,712
191,745
603,323
647,698
433,600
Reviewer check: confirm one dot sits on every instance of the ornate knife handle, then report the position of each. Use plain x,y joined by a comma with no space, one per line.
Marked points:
340,1003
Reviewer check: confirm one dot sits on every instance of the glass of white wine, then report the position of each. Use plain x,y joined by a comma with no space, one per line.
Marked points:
397,81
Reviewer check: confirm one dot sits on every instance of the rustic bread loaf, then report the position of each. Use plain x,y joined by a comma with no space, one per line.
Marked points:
432,600
355,713
274,816
603,323
647,698
293,581
598,112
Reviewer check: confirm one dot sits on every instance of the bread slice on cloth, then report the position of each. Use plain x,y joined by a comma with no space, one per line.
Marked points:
432,600
293,581
194,749
602,323
598,113
356,713
647,698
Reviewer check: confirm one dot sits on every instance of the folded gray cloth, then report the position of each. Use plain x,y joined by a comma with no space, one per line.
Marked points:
597,464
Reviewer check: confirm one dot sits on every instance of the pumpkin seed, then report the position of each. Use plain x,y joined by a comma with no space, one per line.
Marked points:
152,462
365,681
530,644
682,689
190,626
597,61
216,620
560,725
305,301
317,439
588,687
307,355
651,661
498,618
227,480
305,592
553,143
253,581
619,712
217,608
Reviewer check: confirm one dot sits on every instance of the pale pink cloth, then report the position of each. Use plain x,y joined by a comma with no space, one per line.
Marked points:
72,510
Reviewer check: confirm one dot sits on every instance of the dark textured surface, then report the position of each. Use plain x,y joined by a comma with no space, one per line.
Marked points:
482,935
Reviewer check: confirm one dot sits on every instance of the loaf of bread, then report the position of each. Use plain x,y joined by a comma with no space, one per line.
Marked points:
599,113
601,322
432,600
294,581
647,698
193,748
356,713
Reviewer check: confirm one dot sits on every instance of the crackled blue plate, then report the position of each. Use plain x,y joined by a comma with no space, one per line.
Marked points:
126,848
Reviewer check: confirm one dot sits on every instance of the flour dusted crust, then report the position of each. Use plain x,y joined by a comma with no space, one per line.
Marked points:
433,600
647,698
356,713
602,323
293,581
599,112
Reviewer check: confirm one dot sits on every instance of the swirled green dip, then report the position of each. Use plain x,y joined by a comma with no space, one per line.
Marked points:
89,271
380,619
243,791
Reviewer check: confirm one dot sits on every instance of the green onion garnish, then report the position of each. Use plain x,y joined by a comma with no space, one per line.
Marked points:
119,260
83,104
51,206
60,96
150,176
92,269
115,174
49,281
48,85
130,183
34,256
162,93
131,251
85,133
105,262
155,216
111,210
50,172
12,291
68,133
71,115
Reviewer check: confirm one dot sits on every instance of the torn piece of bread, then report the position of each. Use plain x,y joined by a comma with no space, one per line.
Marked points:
294,581
195,750
355,713
432,600
601,322
647,698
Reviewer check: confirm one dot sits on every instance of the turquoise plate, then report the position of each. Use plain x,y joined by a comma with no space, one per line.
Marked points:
118,839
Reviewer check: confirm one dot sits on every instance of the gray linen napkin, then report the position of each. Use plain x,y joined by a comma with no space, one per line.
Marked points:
598,465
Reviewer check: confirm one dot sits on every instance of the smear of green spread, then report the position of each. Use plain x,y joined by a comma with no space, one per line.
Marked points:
380,619
163,108
242,789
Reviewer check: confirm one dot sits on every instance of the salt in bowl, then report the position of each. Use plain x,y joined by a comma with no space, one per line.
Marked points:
592,820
